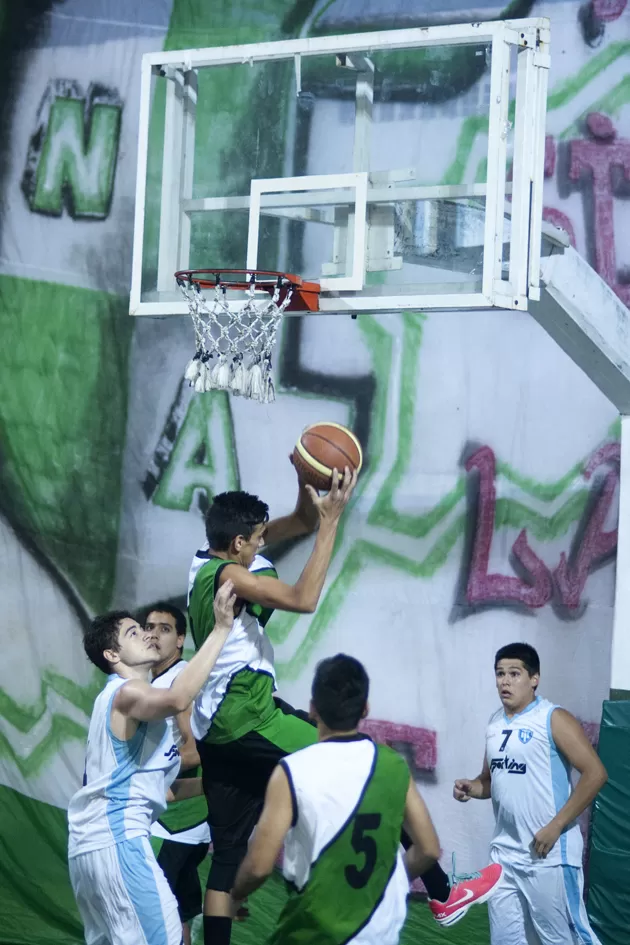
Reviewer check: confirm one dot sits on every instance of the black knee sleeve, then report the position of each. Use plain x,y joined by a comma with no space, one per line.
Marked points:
224,867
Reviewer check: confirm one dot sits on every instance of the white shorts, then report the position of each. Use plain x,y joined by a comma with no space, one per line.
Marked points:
123,896
541,907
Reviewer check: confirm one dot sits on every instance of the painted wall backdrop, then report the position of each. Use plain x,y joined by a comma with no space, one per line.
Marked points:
488,506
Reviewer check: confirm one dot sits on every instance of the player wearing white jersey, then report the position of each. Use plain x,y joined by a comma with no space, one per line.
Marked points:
531,747
242,728
338,807
131,761
181,836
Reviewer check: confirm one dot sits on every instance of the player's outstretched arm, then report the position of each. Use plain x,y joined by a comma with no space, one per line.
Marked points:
303,520
141,702
573,744
425,849
303,596
478,788
271,830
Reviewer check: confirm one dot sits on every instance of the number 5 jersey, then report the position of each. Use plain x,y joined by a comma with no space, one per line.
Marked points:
531,781
342,854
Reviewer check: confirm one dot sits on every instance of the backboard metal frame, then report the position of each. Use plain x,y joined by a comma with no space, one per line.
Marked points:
347,292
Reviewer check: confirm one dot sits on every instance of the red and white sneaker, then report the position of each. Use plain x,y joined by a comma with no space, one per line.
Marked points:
466,891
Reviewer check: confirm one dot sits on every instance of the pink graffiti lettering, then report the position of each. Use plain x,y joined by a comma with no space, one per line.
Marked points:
422,740
483,586
596,543
569,577
596,159
558,218
608,10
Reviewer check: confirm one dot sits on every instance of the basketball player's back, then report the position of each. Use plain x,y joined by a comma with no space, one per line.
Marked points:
343,851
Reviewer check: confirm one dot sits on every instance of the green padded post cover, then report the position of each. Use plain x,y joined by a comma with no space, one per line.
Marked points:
609,866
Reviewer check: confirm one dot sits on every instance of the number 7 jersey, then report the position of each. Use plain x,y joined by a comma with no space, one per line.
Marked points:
530,783
342,854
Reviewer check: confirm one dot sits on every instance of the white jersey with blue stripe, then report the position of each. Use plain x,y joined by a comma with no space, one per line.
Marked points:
125,782
531,782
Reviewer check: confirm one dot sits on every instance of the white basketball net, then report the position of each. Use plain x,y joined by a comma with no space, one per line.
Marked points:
233,348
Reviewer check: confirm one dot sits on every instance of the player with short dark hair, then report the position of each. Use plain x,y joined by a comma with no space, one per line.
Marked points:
131,760
242,729
180,836
531,747
150,620
338,807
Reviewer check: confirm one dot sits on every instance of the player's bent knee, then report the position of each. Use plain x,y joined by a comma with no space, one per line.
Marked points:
224,867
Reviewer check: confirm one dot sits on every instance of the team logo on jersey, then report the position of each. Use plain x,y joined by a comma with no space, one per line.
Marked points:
172,753
509,765
525,735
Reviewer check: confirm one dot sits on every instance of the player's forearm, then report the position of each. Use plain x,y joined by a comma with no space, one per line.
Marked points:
287,527
188,757
480,789
248,879
586,790
308,586
194,676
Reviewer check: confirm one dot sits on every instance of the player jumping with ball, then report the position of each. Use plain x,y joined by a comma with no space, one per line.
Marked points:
242,729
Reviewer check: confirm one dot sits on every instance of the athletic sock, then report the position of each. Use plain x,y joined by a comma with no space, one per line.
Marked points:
217,930
436,882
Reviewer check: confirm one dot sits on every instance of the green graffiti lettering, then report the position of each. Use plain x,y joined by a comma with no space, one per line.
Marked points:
77,165
203,455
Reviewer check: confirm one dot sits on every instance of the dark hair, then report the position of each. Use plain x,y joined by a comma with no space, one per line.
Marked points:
232,514
163,608
340,692
520,651
103,635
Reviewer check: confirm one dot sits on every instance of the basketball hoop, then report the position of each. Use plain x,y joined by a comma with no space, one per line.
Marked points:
234,341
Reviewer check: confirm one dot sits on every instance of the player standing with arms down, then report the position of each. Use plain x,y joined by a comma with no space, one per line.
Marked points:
531,747
338,808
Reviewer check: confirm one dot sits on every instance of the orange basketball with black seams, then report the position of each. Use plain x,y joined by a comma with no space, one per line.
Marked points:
323,447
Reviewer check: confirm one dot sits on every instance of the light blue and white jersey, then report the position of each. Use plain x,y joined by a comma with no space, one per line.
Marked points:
125,782
531,782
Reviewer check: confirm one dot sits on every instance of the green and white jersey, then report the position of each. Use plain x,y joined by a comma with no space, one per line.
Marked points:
238,696
182,821
342,854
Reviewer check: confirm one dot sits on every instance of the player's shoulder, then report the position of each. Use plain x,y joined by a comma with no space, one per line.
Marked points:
497,716
260,563
164,679
206,573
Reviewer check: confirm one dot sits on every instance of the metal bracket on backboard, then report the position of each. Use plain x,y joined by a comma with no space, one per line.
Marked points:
312,191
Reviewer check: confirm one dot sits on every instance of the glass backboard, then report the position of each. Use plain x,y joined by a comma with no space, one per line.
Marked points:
339,158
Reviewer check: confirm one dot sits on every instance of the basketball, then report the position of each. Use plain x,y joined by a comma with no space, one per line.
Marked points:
323,447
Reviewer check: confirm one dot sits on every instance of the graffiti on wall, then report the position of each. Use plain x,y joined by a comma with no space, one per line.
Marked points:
73,152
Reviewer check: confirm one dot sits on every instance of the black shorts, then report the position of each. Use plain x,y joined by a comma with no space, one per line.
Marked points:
179,863
235,777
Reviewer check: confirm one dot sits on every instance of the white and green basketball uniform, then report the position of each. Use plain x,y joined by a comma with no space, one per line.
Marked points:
238,697
342,854
182,821
530,783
